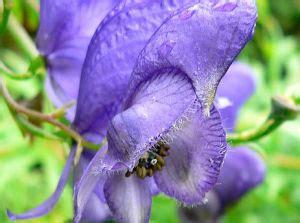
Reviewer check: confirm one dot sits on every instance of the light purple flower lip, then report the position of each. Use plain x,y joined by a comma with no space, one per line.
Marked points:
149,93
96,208
243,169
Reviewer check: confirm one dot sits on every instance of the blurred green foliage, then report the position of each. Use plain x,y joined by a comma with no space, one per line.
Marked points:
30,167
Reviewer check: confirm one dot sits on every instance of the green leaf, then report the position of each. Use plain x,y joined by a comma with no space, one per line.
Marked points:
7,6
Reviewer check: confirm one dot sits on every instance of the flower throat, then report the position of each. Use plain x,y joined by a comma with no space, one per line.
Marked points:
151,161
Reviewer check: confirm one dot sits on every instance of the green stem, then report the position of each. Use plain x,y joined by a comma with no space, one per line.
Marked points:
34,5
4,70
44,118
7,6
283,109
13,61
254,134
21,37
36,67
61,112
34,129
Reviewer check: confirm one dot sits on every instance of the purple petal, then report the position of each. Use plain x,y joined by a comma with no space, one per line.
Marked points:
196,155
204,213
234,90
92,180
153,187
157,104
66,28
202,41
48,205
111,57
243,169
129,198
96,208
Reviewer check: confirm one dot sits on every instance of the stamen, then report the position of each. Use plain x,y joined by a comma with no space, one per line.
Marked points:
160,160
158,167
150,172
151,161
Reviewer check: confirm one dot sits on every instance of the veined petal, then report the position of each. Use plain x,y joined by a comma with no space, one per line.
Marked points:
196,155
129,198
153,187
234,90
92,180
202,41
153,110
208,212
243,169
111,57
66,28
96,208
48,205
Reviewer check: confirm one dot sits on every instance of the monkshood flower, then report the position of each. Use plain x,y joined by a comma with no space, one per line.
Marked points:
66,28
165,129
154,90
243,169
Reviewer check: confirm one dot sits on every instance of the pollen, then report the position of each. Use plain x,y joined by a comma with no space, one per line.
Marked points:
151,162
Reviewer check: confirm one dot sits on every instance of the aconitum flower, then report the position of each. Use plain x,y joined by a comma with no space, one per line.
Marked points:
164,129
243,169
150,92
66,28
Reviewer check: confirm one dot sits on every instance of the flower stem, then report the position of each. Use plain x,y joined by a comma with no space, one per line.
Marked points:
7,6
267,127
13,105
283,109
61,112
21,37
7,72
34,129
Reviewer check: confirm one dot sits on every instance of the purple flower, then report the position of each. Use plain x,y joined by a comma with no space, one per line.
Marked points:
161,127
66,28
243,169
150,92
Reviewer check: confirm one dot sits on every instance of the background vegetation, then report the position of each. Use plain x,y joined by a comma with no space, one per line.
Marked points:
30,166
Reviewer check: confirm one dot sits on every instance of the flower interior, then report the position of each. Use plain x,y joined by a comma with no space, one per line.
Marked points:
152,161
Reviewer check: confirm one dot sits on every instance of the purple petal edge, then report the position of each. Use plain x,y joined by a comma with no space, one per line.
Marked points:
47,205
200,41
